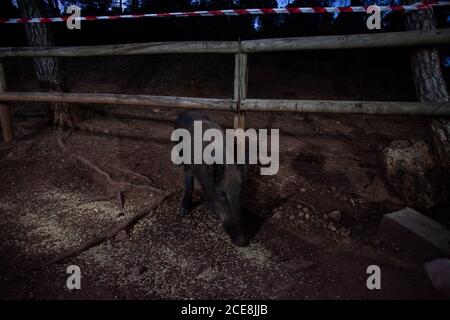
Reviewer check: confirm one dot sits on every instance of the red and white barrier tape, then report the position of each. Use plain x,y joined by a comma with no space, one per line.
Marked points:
236,12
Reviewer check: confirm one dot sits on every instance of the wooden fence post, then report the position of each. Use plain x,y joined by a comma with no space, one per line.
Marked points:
5,114
240,88
240,93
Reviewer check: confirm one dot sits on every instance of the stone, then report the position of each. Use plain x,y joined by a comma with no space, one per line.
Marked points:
335,215
139,270
439,273
415,234
412,171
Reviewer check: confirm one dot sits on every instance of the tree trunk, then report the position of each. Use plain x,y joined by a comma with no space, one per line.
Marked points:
53,8
48,70
429,81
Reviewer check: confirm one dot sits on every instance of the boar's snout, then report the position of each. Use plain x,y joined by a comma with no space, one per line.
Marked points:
236,233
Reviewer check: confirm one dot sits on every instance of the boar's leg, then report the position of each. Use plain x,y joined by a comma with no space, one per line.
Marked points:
186,203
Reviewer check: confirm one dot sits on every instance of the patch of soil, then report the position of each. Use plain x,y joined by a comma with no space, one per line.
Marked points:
313,224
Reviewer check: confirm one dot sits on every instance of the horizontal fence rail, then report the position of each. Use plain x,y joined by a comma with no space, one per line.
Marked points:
121,99
125,49
358,41
240,103
349,107
267,105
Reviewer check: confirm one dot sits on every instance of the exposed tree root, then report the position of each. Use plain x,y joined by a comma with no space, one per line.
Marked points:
129,136
99,171
115,189
111,233
118,188
133,173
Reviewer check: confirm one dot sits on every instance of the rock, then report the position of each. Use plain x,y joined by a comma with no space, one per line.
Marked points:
302,190
439,273
335,215
307,216
332,227
416,234
412,172
139,270
345,232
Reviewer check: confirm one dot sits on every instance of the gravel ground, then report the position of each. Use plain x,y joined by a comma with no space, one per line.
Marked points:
313,225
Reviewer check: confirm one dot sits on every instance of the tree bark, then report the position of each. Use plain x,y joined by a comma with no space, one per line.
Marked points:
48,70
53,8
429,81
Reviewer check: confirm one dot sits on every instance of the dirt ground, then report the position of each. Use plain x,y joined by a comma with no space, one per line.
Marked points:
301,247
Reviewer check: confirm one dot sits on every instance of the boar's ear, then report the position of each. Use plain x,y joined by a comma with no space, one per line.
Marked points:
219,170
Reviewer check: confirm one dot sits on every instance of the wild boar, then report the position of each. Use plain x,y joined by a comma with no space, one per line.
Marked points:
221,183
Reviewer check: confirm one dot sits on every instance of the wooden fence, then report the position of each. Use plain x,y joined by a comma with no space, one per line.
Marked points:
239,103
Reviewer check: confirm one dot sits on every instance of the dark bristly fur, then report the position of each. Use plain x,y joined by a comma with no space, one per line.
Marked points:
221,184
